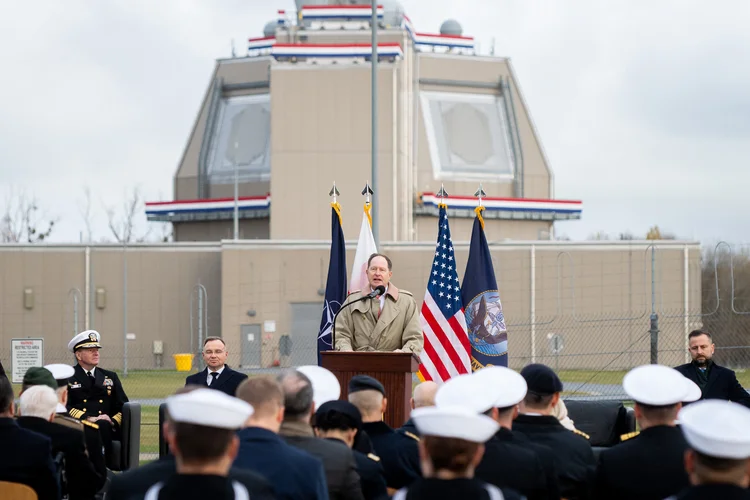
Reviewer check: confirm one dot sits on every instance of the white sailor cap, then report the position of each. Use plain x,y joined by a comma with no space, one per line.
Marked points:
89,338
209,408
508,385
717,428
326,386
657,385
694,392
454,422
61,372
491,387
467,392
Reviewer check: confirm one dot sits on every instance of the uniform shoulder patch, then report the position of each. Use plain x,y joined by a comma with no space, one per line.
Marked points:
413,436
625,437
581,433
68,422
90,424
373,456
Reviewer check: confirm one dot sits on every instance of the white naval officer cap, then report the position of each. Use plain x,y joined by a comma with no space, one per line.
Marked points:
325,385
89,338
457,422
61,372
717,428
658,385
491,387
209,408
694,392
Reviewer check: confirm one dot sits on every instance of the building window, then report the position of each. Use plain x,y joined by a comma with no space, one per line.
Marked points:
468,136
242,136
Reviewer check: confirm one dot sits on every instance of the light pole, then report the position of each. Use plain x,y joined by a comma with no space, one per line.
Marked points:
236,196
374,125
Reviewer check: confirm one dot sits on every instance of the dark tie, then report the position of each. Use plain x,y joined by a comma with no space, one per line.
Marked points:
91,377
215,375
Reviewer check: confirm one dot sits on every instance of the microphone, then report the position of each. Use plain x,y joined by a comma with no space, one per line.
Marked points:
379,290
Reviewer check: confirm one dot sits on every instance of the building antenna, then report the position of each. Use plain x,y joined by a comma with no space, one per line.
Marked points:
234,54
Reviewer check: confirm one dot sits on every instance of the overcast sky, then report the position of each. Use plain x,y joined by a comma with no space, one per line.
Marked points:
643,106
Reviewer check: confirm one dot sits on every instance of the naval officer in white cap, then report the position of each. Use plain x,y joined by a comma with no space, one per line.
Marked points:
95,394
649,464
450,448
202,436
718,456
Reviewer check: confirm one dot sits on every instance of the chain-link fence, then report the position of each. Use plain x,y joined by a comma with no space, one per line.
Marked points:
591,311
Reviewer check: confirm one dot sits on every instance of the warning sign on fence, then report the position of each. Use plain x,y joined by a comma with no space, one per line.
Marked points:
25,353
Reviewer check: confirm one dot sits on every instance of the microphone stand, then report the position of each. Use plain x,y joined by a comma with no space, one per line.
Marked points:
333,327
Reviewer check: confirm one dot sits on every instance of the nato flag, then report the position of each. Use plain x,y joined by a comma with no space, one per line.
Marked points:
485,322
336,286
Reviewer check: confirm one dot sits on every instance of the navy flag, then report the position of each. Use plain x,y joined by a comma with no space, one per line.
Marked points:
485,322
336,286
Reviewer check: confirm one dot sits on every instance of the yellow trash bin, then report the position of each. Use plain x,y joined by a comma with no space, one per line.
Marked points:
184,362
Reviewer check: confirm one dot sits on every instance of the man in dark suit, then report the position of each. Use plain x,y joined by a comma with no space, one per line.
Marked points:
217,374
656,454
294,474
95,394
37,410
300,395
716,382
27,455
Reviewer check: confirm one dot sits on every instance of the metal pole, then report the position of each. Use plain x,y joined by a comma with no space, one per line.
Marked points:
374,125
236,196
654,320
125,308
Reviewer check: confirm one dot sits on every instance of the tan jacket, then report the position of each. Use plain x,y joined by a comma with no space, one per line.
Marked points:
358,327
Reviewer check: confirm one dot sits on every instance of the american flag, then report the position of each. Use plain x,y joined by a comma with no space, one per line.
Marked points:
446,343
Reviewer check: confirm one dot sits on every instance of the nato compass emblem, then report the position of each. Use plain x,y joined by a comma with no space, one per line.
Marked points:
486,324
329,310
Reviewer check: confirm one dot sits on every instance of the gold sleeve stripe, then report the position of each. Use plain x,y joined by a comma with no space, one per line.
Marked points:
76,413
414,437
118,418
90,424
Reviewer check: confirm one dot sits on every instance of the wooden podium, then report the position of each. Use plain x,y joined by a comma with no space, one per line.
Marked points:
393,370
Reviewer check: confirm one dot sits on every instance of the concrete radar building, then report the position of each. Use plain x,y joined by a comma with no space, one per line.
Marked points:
293,116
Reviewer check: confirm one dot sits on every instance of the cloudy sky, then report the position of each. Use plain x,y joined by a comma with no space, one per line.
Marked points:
643,106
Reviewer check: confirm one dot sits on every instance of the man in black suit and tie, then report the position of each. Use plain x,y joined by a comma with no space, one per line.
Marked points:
716,382
217,375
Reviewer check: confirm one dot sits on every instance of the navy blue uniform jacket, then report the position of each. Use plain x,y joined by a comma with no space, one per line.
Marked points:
27,459
722,383
227,382
294,474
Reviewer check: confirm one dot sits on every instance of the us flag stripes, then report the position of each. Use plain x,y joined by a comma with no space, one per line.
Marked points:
446,343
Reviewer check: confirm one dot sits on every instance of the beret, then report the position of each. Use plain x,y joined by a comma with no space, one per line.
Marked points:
541,379
36,375
341,407
365,383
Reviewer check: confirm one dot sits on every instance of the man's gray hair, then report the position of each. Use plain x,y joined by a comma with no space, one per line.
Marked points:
38,401
298,393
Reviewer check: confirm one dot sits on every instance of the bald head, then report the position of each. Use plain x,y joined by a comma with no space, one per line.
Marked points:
424,395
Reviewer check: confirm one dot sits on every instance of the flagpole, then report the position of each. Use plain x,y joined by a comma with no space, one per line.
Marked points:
374,124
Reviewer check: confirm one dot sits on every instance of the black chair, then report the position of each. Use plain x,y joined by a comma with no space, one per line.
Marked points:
126,453
603,421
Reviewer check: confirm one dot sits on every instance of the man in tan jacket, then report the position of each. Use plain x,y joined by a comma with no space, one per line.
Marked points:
386,323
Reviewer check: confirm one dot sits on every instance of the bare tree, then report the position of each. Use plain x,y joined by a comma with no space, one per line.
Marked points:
599,236
23,221
123,225
84,208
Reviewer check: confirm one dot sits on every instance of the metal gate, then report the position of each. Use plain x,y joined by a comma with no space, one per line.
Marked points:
304,334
